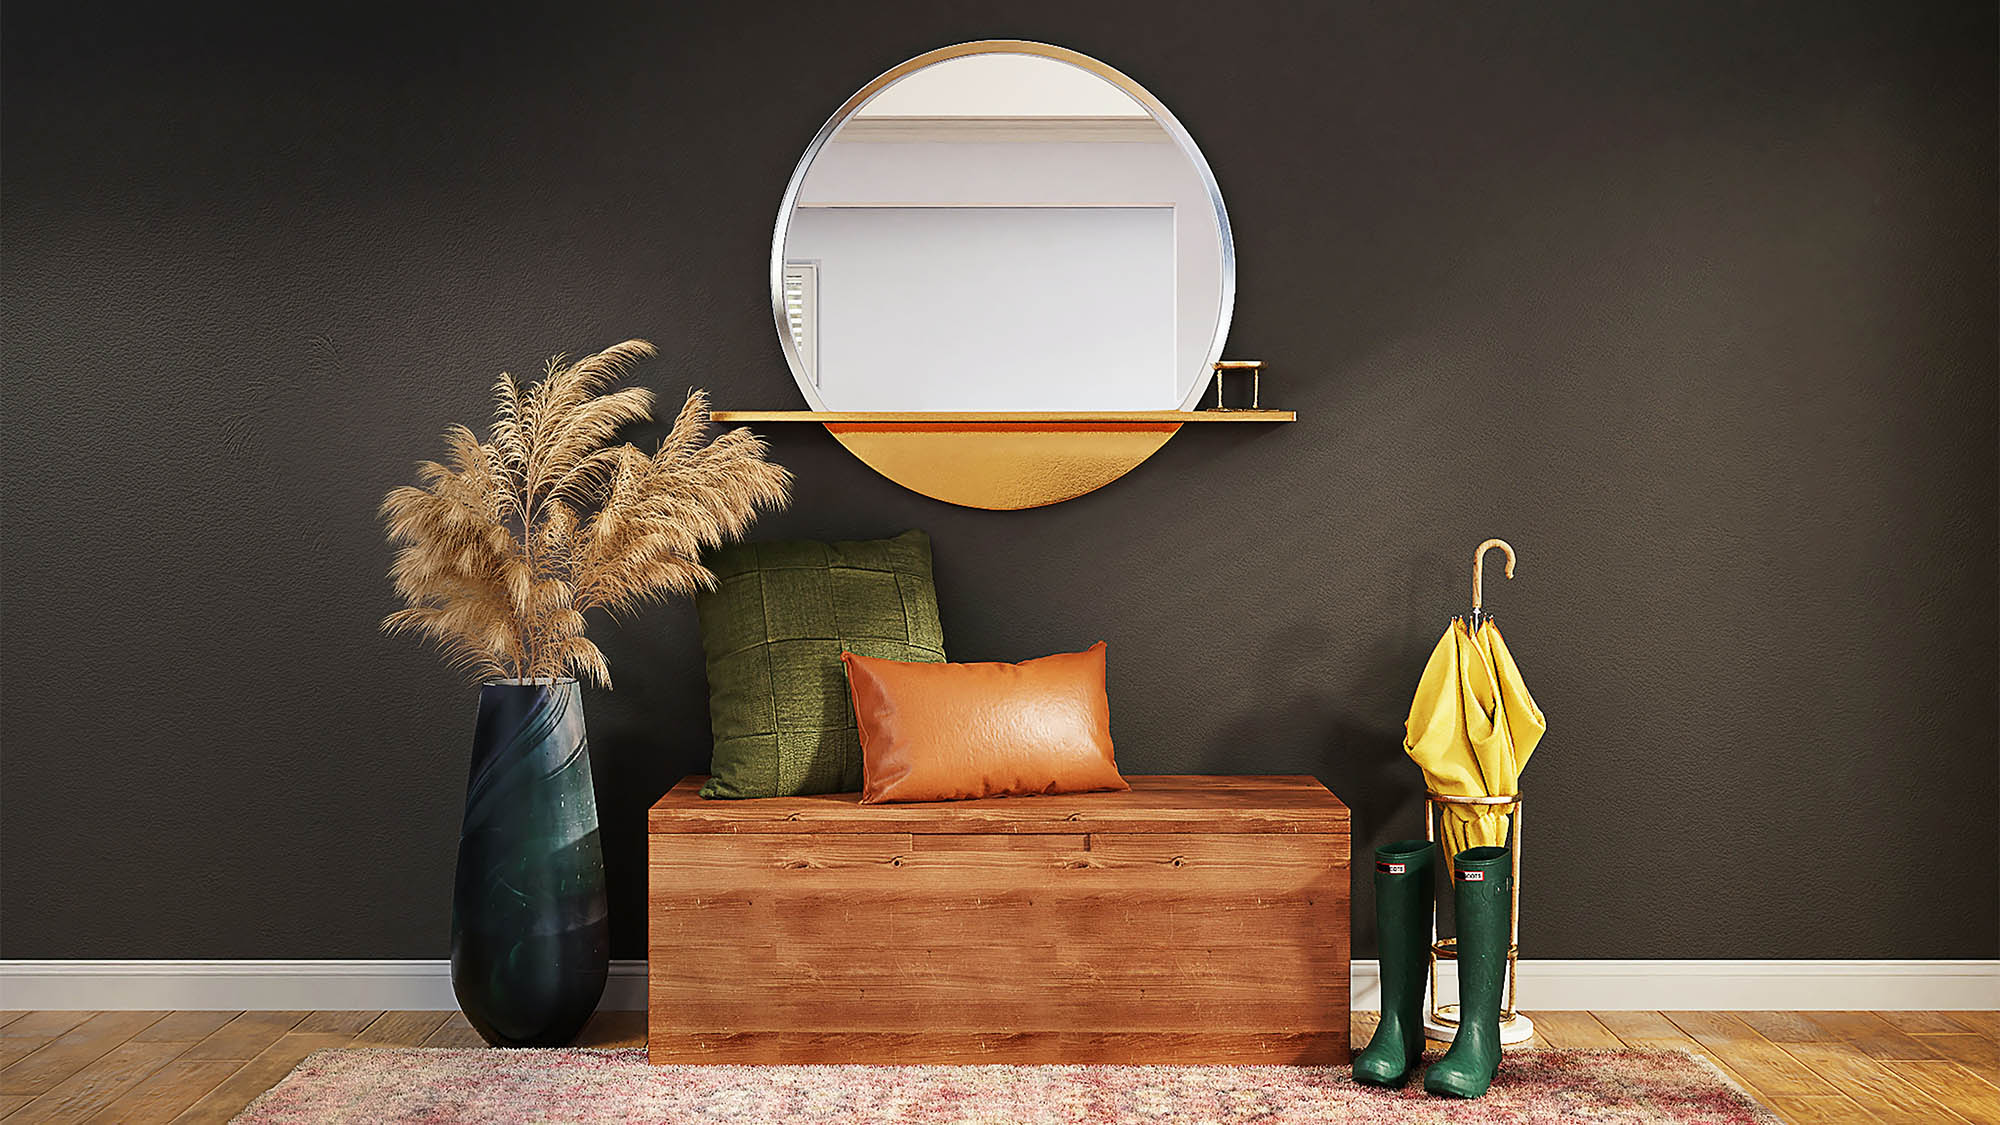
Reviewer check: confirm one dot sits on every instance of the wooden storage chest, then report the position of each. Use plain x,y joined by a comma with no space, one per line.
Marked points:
1193,919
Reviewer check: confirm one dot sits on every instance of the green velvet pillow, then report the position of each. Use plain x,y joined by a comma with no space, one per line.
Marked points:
773,631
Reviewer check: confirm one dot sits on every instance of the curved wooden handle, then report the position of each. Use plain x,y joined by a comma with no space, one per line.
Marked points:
1479,567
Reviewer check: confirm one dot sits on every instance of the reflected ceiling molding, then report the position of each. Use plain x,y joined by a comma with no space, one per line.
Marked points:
1003,130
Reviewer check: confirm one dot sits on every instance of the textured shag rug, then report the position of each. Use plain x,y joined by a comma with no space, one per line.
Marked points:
433,1086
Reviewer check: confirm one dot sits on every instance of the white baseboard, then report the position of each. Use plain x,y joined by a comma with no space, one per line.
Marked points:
1792,986
258,985
1552,985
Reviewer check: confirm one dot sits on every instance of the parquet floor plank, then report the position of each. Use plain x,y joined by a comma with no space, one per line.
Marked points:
400,1029
64,1055
1868,1081
1573,1029
454,1032
1787,1027
246,1036
1872,1035
42,1025
1760,1062
254,1077
1978,1053
1929,1023
166,1092
104,1081
185,1027
1952,1086
335,1023
1824,1110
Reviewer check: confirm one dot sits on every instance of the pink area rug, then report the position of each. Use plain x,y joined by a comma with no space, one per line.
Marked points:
437,1085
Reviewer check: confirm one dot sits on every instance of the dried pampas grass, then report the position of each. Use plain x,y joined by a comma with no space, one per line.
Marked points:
506,545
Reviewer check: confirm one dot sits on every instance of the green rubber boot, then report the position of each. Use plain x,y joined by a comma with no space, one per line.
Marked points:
1405,899
1482,888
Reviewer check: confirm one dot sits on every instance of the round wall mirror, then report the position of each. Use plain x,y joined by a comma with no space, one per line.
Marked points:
1002,228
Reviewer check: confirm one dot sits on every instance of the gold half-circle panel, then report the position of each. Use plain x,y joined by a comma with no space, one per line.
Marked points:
1003,466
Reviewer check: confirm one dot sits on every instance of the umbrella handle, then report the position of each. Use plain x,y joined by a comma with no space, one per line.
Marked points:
1479,567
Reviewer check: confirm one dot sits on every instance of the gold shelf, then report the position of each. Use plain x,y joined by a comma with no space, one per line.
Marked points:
1001,417
1002,459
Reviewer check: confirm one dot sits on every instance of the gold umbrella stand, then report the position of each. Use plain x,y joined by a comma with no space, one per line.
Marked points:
1442,1023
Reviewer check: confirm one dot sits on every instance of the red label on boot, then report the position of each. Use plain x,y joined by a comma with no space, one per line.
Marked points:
1473,876
1392,868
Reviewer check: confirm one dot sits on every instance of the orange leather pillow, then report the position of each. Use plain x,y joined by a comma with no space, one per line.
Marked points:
949,732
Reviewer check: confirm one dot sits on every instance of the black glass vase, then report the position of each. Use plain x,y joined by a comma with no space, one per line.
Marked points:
530,944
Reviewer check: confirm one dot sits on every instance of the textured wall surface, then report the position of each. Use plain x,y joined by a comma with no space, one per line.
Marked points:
1693,302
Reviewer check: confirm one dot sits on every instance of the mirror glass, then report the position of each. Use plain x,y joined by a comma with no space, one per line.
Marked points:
1002,227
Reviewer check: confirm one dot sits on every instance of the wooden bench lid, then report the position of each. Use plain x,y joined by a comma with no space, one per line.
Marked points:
1161,803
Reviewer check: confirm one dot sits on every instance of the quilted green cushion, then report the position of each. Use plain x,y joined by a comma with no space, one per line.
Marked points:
773,631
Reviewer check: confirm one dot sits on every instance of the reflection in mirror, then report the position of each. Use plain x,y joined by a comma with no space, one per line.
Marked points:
1008,232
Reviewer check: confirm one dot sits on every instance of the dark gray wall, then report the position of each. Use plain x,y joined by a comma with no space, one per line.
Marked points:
1695,303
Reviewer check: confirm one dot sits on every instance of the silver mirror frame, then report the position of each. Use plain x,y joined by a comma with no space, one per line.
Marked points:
867,93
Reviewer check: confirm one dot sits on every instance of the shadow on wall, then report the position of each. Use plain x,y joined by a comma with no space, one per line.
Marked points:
1355,728
1360,751
644,736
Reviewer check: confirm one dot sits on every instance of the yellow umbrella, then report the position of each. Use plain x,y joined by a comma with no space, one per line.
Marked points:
1473,724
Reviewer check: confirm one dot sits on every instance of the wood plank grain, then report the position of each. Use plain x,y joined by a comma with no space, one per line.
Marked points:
335,1023
874,989
43,1024
1115,935
1654,1031
691,930
798,940
246,1036
166,1092
1110,862
696,872
1573,1029
1154,804
259,1074
1635,1029
891,1007
1762,1063
400,1029
1825,1109
931,1047
1865,1079
1984,1021
16,1049
11,1102
455,1031
73,1050
1951,1086
1873,1035
1979,1054
185,1027
1931,1023
99,1084
1787,1027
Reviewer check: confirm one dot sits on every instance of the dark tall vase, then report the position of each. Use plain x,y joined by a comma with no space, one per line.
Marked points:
530,945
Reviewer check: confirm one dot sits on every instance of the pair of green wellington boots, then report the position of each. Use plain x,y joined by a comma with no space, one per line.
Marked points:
1405,899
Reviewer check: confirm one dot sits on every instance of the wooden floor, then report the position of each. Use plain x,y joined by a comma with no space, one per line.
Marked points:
137,1067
